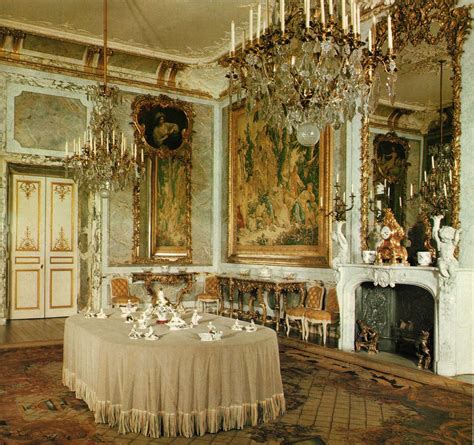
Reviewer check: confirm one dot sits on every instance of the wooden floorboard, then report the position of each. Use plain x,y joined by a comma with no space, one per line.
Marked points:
21,333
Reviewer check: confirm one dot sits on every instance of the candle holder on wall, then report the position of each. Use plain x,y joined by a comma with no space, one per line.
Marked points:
340,206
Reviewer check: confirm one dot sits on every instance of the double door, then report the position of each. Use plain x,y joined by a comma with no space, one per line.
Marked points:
43,248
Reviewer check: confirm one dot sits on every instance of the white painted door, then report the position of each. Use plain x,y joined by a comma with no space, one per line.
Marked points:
43,260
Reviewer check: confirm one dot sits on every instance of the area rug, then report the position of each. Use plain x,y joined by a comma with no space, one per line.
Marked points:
328,402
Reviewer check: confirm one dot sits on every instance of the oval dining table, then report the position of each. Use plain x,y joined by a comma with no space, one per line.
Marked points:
177,385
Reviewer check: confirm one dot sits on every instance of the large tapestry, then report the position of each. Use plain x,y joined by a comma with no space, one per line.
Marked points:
275,187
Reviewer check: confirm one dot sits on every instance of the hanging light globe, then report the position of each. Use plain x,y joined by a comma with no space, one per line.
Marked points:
307,134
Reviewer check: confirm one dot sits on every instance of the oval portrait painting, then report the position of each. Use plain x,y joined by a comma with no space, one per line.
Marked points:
165,127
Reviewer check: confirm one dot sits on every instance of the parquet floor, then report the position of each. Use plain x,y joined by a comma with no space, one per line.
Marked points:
31,332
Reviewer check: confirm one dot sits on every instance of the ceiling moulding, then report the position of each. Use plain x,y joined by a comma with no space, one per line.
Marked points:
78,71
208,54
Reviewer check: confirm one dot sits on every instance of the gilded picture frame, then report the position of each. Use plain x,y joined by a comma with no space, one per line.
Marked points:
275,185
163,128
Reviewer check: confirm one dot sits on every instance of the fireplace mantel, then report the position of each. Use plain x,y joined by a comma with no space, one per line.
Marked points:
351,276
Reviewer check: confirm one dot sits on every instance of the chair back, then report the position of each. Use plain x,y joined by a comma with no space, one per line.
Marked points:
119,287
314,297
211,285
331,301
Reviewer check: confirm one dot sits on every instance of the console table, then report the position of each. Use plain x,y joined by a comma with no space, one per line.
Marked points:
186,278
257,286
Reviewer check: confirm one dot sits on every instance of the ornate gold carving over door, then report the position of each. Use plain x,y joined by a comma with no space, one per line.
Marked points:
43,278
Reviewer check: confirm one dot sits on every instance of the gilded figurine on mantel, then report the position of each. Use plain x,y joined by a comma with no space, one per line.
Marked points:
390,251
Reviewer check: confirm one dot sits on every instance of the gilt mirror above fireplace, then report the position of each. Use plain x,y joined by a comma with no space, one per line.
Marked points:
410,139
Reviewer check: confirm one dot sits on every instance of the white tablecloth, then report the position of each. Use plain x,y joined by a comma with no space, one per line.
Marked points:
177,385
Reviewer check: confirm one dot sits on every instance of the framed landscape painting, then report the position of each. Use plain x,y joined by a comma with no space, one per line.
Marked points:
275,187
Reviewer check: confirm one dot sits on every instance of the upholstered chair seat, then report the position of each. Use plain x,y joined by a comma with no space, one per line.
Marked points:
120,291
210,295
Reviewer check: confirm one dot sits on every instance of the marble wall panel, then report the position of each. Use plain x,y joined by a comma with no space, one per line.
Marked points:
120,227
201,181
44,121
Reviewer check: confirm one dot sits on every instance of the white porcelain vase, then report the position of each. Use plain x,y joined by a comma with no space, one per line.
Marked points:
424,258
368,256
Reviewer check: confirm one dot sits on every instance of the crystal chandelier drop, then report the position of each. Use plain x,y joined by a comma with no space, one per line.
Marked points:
309,68
104,162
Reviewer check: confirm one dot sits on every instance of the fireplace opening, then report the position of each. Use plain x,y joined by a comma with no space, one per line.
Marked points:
403,318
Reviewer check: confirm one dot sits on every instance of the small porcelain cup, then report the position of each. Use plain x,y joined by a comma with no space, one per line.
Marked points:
424,258
368,256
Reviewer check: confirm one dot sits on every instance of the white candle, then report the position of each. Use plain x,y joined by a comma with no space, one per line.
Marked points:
389,30
337,178
344,197
369,40
293,60
388,192
282,16
95,147
330,8
232,39
432,162
323,14
66,149
370,195
343,12
445,191
321,202
424,175
450,176
411,190
306,7
259,18
358,19
101,137
142,156
345,23
384,183
353,15
251,25
113,137
400,201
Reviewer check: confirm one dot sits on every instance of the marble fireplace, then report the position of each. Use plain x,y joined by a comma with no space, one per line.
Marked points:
447,337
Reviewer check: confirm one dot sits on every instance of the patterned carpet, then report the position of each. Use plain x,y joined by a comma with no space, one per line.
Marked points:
328,402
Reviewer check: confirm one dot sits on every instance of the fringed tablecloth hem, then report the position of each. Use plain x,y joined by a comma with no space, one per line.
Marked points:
196,423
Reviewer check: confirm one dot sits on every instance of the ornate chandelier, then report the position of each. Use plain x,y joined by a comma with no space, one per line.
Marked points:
104,162
309,68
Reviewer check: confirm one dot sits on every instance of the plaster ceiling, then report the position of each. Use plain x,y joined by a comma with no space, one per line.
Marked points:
189,31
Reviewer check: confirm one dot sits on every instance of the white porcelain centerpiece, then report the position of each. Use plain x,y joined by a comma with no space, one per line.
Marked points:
424,258
368,256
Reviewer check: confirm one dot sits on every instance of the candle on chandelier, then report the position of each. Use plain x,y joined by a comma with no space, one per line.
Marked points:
323,14
400,201
432,162
411,190
94,145
307,12
352,189
321,202
232,37
370,195
101,137
388,193
259,18
384,183
142,156
450,176
389,30
251,26
337,178
331,10
343,12
282,16
353,15
424,175
113,137
344,197
445,191
369,40
358,19
293,60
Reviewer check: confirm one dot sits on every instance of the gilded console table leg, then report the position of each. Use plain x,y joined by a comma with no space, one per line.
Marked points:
231,297
261,303
277,308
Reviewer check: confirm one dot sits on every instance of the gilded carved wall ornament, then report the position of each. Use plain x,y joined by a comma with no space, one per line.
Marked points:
62,190
27,187
27,243
62,243
390,250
